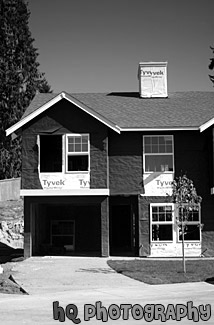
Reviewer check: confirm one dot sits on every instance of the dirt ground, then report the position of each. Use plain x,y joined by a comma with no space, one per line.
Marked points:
7,283
10,211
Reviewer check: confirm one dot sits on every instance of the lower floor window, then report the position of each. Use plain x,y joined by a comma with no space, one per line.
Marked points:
165,222
192,224
162,232
162,222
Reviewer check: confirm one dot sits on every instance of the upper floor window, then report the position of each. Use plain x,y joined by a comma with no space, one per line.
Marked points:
77,152
64,153
50,153
158,153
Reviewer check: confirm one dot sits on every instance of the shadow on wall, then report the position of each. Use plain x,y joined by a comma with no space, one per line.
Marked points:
207,243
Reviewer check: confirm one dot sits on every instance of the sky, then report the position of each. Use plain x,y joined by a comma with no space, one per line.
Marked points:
96,45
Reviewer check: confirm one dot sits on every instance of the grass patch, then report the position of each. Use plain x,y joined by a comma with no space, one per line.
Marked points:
165,271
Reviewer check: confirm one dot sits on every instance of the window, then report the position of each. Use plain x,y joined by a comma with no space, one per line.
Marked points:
165,223
63,233
161,222
192,228
50,153
77,152
64,153
158,153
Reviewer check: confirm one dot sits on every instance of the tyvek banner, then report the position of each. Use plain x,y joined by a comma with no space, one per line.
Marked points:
158,184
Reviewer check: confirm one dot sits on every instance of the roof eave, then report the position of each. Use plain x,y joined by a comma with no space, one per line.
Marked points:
206,125
180,128
53,101
34,114
91,112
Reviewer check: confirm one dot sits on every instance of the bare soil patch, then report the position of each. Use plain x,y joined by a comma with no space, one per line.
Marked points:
11,213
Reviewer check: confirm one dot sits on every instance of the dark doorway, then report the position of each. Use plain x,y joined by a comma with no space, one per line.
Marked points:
121,238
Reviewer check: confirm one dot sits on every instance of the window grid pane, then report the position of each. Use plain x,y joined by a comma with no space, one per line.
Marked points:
158,144
77,144
162,214
192,217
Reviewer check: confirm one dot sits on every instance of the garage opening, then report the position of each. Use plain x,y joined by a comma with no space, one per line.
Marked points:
67,230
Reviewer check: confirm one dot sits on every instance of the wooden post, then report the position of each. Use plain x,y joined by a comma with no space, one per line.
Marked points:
213,158
183,248
105,227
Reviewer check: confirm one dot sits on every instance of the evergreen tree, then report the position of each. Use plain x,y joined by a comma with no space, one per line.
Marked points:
20,78
211,65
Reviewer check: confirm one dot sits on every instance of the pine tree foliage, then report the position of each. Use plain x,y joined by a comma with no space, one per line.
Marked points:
20,78
211,65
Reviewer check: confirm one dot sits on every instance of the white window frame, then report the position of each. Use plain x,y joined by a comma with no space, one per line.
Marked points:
76,153
155,154
190,223
163,223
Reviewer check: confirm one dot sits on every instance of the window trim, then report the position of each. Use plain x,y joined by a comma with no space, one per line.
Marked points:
162,154
164,223
66,153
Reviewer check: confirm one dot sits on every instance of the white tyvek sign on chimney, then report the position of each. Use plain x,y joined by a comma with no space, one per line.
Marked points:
152,79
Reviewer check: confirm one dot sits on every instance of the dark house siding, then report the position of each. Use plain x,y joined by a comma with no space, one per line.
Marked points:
63,118
193,153
125,162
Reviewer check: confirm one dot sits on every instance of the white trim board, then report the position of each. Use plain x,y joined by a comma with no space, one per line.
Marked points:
158,129
76,192
206,125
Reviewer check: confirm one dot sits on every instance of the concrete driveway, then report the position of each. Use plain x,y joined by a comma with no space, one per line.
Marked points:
94,293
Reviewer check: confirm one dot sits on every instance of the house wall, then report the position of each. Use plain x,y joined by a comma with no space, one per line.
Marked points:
125,162
192,155
63,118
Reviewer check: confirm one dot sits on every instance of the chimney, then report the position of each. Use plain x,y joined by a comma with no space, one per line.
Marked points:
152,79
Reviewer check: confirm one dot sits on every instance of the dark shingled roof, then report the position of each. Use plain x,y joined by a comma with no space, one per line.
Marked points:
128,110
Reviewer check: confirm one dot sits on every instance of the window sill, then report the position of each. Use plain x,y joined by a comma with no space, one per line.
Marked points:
159,173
